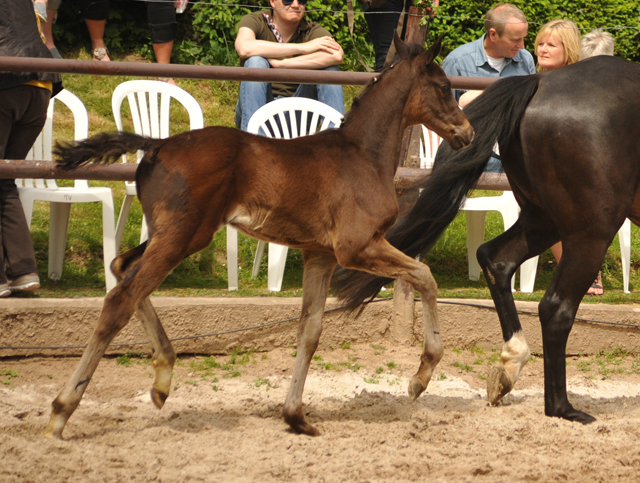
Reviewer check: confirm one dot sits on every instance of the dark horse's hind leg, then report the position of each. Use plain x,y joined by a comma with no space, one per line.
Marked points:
318,268
581,259
500,258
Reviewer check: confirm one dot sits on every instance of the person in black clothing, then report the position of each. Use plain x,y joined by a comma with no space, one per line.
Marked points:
24,98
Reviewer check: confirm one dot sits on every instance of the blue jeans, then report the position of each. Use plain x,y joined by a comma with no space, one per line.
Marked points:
494,166
254,95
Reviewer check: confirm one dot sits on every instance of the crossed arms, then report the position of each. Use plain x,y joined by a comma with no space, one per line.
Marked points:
315,54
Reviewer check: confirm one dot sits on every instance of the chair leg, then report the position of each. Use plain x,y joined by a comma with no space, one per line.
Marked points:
258,258
144,230
58,226
528,275
624,237
232,257
277,261
475,238
122,219
108,240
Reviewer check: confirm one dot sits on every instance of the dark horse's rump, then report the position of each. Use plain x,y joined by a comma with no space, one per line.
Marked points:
570,145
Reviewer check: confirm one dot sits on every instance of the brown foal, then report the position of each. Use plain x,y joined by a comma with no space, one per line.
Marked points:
331,195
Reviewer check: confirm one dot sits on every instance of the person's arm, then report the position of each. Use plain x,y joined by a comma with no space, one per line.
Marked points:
316,60
320,52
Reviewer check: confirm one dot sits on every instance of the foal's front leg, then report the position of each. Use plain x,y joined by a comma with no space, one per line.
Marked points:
318,268
380,258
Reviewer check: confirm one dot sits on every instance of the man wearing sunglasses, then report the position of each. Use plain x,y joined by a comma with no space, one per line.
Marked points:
282,38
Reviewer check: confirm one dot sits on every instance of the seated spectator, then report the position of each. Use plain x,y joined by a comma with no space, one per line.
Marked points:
24,98
596,42
499,52
282,38
162,26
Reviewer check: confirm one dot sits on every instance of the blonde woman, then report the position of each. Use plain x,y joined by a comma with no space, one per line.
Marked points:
557,44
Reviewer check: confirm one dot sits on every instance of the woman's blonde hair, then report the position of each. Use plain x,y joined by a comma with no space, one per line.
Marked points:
564,31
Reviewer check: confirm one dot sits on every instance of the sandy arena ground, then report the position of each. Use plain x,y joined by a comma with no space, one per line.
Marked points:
215,427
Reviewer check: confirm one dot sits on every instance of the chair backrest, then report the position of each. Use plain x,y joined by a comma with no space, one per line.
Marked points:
291,117
429,142
42,148
150,102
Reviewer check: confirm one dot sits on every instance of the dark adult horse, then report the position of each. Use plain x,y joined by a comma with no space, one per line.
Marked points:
570,146
331,194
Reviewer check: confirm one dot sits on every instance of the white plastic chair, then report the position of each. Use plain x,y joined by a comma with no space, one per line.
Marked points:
149,102
60,199
475,211
314,116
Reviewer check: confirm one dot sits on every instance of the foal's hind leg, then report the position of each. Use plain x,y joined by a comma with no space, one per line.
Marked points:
138,283
318,268
381,259
499,258
164,356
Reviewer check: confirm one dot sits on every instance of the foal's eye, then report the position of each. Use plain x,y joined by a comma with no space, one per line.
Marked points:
446,90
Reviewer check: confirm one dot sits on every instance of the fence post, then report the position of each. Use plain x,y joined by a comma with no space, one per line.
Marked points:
403,298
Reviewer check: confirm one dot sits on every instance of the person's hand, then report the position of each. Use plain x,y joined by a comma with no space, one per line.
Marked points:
322,44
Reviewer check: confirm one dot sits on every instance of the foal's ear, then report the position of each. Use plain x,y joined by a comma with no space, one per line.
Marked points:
402,48
434,50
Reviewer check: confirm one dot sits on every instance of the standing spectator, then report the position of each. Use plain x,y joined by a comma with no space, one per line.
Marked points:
499,52
383,22
282,38
596,42
161,16
24,98
47,10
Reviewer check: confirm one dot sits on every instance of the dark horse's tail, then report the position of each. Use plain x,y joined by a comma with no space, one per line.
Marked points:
495,116
103,148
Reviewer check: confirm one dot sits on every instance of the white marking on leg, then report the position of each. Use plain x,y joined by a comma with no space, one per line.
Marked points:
515,354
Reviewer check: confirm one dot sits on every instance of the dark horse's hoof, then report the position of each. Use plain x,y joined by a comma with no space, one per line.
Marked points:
575,415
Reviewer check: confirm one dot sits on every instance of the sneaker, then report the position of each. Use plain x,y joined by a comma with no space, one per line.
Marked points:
5,291
25,283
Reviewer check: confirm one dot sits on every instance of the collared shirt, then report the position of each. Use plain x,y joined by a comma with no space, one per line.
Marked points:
470,60
307,31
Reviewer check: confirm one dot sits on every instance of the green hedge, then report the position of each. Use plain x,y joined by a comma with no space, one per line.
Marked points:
207,30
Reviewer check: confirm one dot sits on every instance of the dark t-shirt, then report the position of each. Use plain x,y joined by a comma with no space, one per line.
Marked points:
306,31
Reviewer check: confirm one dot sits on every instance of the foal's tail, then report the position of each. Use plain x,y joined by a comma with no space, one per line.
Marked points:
494,116
102,148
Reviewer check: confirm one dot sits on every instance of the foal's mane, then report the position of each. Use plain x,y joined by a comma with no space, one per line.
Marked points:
414,51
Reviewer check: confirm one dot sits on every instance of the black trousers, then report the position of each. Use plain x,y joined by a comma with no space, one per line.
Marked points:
23,111
382,25
161,17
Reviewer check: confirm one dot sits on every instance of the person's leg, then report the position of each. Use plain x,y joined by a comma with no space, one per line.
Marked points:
253,95
95,13
22,116
47,27
162,27
381,27
331,95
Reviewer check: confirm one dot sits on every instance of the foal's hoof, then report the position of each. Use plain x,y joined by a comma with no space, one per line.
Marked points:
498,385
300,426
416,388
158,397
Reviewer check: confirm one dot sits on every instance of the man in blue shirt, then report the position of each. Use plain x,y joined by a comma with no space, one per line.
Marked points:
499,52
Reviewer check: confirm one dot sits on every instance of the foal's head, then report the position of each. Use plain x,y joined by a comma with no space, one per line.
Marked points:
430,101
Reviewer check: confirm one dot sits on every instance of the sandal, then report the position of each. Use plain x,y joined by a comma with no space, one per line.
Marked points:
99,53
596,287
